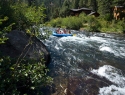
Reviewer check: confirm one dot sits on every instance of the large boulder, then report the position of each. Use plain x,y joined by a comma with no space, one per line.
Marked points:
22,45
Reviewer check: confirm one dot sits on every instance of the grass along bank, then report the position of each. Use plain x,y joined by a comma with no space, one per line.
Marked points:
89,23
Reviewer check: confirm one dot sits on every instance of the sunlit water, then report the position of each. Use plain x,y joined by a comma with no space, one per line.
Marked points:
78,56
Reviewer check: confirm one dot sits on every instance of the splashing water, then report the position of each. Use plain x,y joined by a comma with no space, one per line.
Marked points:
114,75
75,61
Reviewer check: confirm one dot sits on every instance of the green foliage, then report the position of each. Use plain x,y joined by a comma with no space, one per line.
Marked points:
104,6
89,23
5,11
83,18
69,22
55,22
76,22
93,24
121,25
118,2
75,3
72,22
21,14
24,77
106,17
35,31
64,11
112,26
44,33
21,76
55,13
104,23
26,16
81,3
118,25
4,30
101,6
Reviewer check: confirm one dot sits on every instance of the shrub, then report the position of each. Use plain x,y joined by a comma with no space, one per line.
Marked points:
21,76
21,14
6,11
68,22
107,17
83,18
24,77
121,25
26,16
90,23
4,30
93,24
56,22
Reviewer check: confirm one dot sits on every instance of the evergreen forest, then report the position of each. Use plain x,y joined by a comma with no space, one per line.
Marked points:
60,8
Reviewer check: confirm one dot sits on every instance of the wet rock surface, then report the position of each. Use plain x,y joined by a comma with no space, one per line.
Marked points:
25,46
88,85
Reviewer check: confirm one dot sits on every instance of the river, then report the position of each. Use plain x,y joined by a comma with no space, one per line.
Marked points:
87,64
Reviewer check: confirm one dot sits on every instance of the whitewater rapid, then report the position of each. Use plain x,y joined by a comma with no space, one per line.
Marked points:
106,50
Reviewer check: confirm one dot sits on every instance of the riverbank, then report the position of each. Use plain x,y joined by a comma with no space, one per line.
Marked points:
99,31
89,23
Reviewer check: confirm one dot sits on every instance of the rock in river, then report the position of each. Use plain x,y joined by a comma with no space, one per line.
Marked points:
20,44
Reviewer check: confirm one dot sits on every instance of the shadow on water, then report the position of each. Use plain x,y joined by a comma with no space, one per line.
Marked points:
81,65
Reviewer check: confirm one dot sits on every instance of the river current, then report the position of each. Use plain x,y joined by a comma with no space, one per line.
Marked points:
87,64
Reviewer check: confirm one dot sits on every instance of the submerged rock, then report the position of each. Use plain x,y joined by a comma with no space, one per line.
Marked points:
87,85
22,45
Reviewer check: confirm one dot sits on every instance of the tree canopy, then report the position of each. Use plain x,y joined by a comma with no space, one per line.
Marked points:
56,7
102,6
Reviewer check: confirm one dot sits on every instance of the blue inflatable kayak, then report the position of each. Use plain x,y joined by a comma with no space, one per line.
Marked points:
61,35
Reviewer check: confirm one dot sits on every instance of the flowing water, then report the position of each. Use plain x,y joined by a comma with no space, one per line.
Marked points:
87,64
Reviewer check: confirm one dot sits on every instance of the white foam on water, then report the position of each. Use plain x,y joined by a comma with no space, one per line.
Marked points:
74,39
117,51
113,47
122,51
106,44
83,39
112,90
112,74
71,38
107,71
57,47
98,39
106,49
115,76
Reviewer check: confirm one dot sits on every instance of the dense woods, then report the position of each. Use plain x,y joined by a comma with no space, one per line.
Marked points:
60,8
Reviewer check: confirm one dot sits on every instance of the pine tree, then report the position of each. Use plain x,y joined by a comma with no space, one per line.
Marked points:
81,4
93,5
75,4
118,2
65,8
104,6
